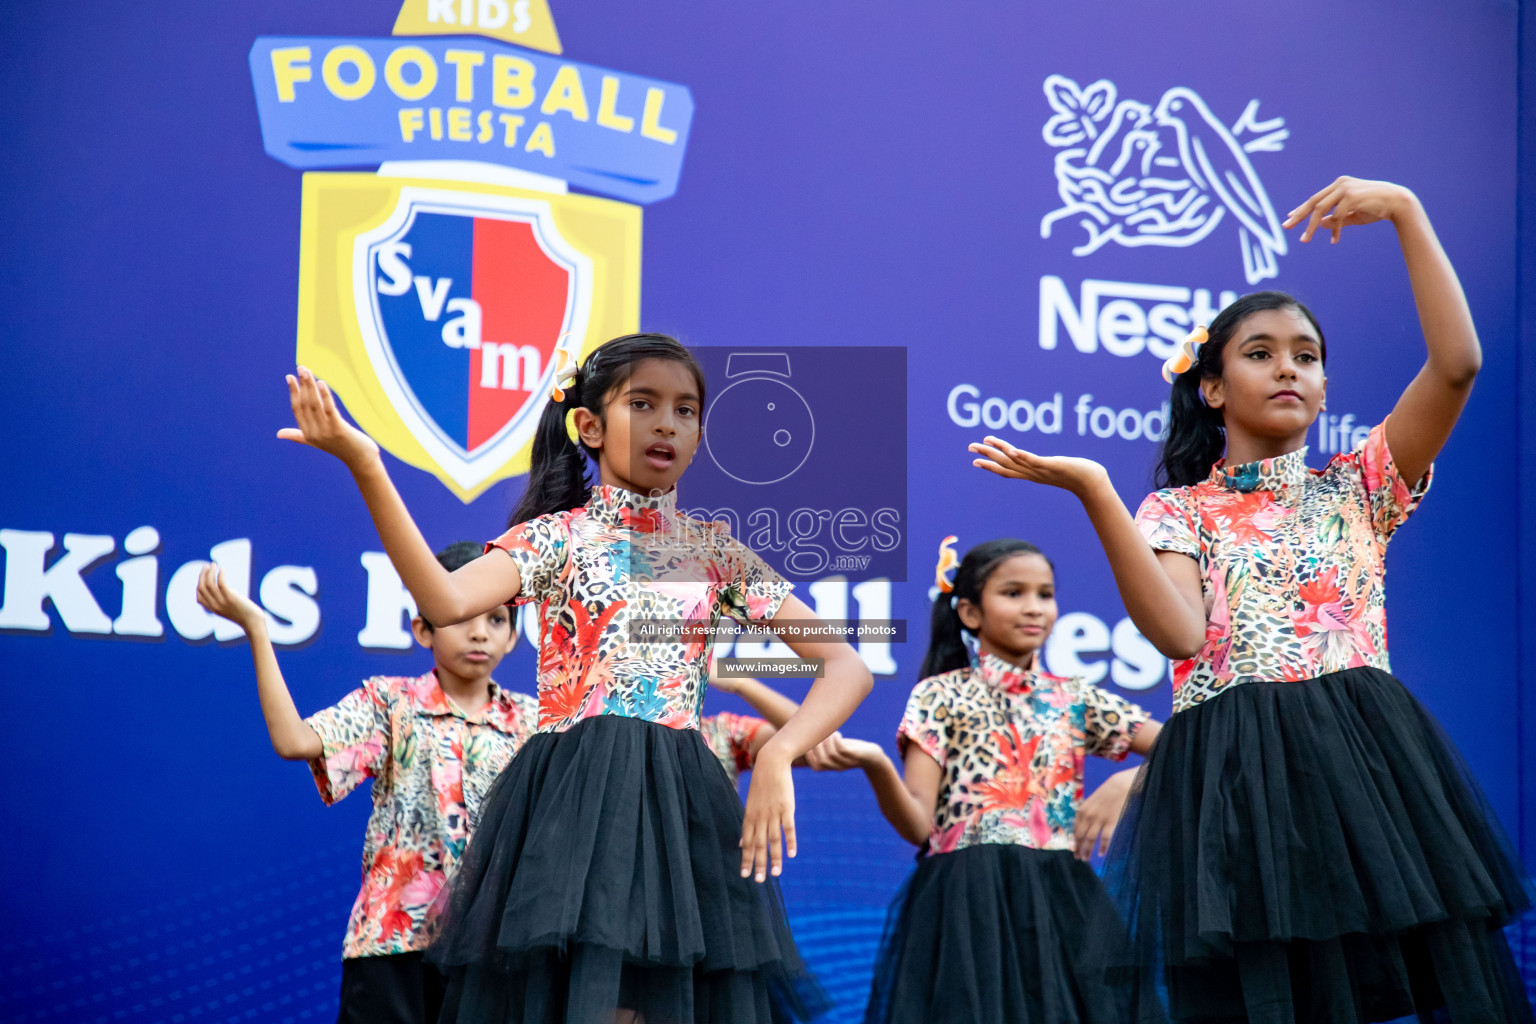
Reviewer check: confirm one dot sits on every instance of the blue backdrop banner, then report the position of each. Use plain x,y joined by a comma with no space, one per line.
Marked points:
946,221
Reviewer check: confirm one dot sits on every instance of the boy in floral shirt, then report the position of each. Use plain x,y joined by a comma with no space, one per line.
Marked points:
432,744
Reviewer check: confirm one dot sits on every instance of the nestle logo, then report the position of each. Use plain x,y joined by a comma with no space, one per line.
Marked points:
1124,318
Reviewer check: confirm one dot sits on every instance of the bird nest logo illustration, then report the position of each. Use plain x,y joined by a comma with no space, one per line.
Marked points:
1168,174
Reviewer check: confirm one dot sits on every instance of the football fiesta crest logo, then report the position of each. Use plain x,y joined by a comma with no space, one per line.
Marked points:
436,291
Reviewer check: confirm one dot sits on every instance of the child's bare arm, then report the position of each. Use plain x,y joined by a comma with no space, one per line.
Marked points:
1421,422
770,813
776,709
907,800
292,737
766,701
1161,590
443,598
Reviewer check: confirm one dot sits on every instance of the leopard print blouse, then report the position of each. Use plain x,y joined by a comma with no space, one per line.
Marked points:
604,574
1011,742
1291,561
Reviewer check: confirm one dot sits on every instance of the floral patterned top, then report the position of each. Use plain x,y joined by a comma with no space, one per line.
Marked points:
627,559
431,765
1011,742
730,738
1291,561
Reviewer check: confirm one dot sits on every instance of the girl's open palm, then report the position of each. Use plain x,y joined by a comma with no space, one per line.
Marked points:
321,424
1347,202
1070,474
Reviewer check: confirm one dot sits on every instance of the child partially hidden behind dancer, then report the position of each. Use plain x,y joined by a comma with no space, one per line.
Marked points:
611,878
1305,844
736,739
990,927
433,745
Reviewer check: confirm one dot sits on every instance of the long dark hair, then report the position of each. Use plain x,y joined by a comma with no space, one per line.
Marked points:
557,471
1196,434
946,646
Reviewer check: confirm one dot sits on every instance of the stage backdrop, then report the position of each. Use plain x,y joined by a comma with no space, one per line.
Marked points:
945,220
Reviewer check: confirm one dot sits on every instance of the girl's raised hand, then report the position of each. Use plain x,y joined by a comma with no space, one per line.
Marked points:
1071,474
321,424
1349,201
217,596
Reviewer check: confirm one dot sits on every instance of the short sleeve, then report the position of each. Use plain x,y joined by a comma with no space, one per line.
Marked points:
752,590
740,731
354,740
1392,499
1110,723
717,740
540,548
926,721
1165,520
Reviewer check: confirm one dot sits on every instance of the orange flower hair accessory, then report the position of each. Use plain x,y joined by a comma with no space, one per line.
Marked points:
947,561
1186,355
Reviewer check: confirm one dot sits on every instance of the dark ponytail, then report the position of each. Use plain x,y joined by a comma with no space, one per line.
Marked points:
1196,435
946,645
557,471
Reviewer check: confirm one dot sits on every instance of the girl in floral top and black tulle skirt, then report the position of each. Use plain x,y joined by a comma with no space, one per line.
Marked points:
989,928
611,880
1304,844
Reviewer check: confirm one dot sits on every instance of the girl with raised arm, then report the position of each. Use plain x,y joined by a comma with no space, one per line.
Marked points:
1304,844
611,879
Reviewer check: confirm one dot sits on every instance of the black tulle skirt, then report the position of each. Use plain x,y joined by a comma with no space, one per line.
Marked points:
994,934
604,877
1316,852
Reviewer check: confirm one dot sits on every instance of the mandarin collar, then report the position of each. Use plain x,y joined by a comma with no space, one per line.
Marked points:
615,506
1276,474
1004,675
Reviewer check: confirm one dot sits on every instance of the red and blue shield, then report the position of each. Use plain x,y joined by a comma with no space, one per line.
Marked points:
462,300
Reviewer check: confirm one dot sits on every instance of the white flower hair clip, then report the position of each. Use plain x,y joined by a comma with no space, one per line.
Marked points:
563,378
